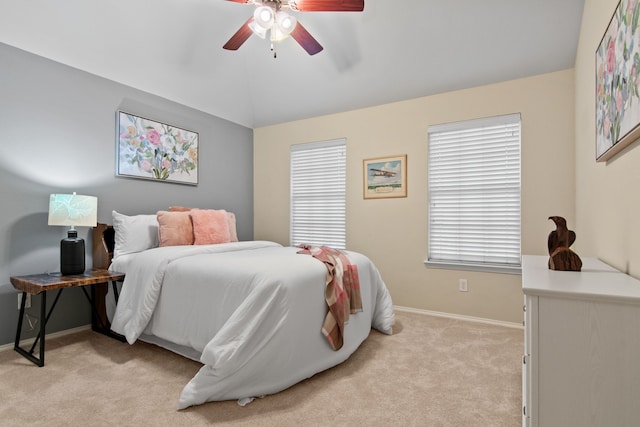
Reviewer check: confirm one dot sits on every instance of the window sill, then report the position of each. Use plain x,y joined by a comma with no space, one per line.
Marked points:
500,269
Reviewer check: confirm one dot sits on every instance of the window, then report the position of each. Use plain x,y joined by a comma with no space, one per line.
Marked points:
474,194
318,193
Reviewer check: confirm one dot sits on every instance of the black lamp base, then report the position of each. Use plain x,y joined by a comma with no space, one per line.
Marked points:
72,254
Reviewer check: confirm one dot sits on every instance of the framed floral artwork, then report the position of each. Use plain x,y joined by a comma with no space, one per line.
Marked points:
617,79
156,151
385,177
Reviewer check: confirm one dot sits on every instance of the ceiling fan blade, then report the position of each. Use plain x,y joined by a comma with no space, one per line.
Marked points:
327,5
305,39
240,36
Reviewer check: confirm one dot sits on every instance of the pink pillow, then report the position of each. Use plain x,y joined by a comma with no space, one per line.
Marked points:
231,220
209,226
174,228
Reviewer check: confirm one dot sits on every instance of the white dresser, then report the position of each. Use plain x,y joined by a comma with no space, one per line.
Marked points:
581,364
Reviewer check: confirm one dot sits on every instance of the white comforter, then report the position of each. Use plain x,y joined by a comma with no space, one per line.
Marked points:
254,310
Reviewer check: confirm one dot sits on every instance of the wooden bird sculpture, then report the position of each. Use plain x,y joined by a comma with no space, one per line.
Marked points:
560,256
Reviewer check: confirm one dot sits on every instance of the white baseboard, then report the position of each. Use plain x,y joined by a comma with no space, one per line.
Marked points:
23,343
396,307
459,317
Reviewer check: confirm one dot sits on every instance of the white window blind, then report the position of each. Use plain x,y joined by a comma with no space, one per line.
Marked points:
474,194
318,193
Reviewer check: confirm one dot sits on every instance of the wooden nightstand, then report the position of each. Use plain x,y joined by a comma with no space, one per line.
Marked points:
42,283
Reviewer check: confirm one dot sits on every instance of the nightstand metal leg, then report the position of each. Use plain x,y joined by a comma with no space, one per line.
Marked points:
115,290
40,337
43,326
44,318
18,332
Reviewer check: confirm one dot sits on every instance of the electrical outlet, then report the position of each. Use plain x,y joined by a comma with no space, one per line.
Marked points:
462,285
27,303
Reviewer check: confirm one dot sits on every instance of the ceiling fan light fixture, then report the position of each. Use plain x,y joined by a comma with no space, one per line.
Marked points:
285,23
264,16
258,30
269,15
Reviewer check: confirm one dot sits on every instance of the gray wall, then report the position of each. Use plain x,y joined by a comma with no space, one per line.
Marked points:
57,135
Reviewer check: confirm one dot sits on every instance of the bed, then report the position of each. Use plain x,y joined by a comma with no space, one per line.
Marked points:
252,312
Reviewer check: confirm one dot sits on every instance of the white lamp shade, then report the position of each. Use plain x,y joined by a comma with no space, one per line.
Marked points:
73,210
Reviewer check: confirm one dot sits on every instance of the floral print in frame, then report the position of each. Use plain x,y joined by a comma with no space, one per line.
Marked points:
156,151
617,80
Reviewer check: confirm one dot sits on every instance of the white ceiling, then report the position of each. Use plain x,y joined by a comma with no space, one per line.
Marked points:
394,50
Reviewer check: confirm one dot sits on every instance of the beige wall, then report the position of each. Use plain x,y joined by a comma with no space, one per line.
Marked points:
393,232
607,194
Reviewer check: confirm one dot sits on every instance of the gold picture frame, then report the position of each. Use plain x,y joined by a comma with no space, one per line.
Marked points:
385,177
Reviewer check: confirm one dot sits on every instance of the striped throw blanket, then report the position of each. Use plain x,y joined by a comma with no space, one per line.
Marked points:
342,290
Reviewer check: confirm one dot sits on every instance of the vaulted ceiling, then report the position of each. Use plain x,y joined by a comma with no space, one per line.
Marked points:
394,50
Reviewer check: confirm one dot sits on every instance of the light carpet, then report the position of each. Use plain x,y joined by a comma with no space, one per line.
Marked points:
432,372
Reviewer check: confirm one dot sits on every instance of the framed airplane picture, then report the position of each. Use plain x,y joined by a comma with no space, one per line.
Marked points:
385,177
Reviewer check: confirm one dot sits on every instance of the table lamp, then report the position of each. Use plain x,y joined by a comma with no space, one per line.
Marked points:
72,210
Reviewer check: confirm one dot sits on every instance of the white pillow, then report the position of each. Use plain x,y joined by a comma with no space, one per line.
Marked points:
134,233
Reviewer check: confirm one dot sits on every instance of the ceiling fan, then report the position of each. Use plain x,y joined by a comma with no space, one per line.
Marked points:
271,16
